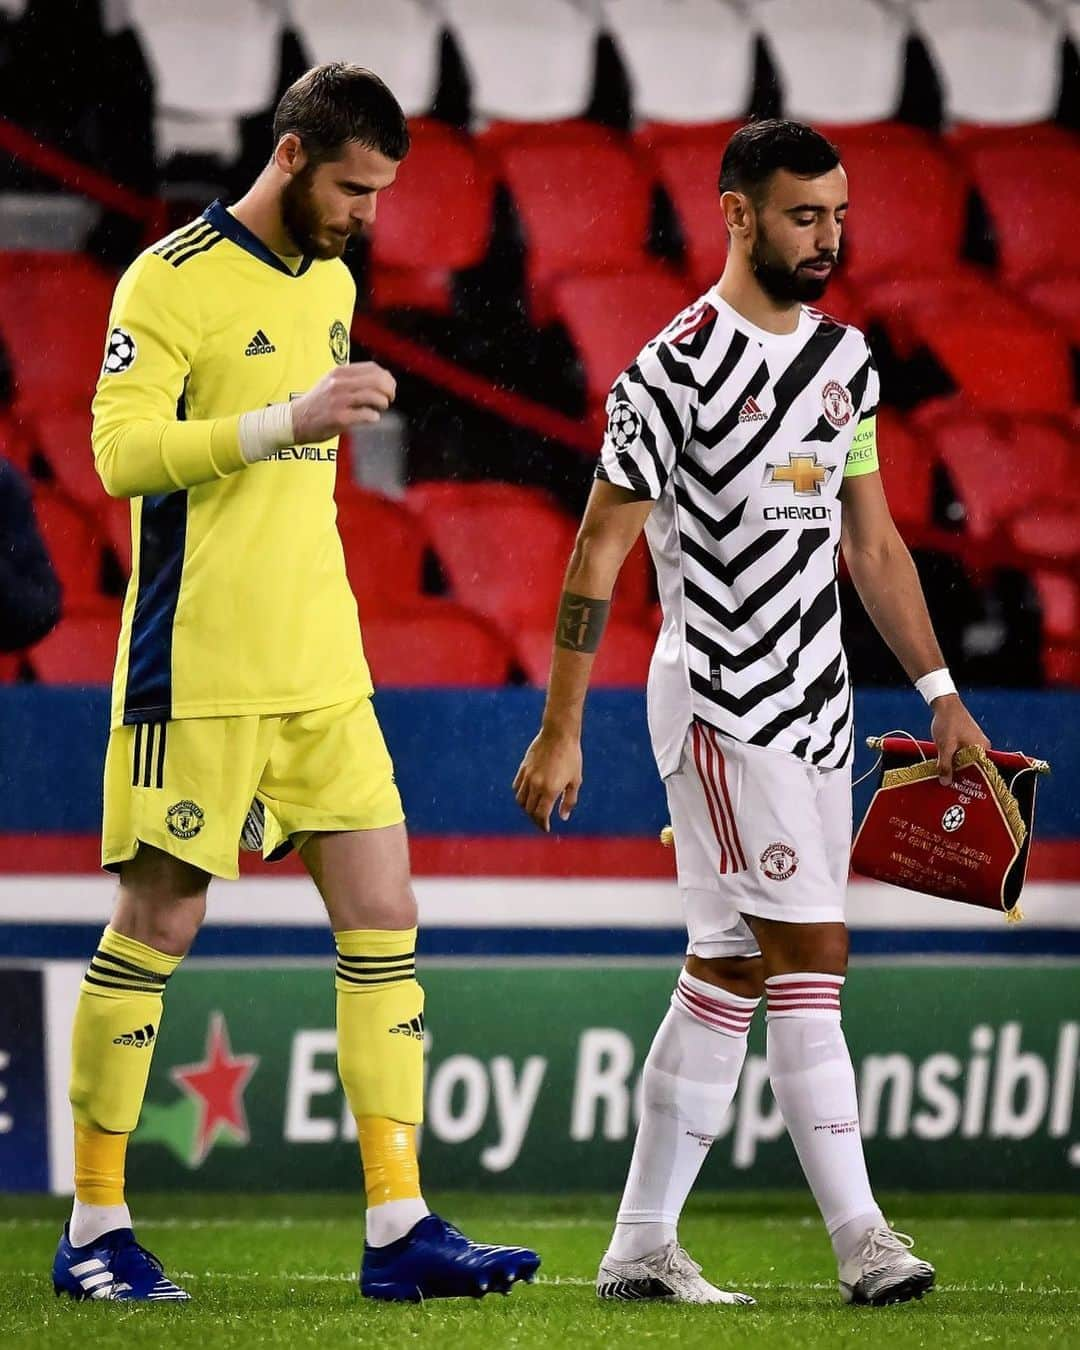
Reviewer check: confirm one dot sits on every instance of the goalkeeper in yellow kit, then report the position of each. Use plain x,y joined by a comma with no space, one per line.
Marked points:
242,700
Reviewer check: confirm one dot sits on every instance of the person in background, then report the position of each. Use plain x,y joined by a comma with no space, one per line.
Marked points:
29,590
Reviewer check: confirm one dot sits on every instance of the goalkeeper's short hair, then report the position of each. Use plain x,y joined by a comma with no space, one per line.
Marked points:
335,103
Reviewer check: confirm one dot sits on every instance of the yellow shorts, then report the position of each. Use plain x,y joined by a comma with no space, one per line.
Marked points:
185,787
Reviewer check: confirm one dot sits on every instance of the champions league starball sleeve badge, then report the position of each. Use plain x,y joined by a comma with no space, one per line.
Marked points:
969,841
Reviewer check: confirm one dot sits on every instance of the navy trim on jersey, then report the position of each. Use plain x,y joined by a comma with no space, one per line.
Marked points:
162,540
240,235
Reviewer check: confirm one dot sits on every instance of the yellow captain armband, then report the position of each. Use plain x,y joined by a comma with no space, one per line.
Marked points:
862,457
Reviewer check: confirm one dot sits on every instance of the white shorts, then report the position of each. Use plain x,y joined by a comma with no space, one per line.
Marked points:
756,832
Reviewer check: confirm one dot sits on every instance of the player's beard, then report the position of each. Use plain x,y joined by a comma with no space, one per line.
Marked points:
302,220
780,280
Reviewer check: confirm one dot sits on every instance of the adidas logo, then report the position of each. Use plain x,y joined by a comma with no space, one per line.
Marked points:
144,1036
414,1027
751,412
260,345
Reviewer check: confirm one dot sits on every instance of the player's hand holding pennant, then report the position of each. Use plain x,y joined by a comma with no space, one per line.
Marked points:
967,839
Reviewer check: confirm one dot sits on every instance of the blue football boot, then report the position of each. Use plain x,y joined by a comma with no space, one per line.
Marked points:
114,1267
434,1260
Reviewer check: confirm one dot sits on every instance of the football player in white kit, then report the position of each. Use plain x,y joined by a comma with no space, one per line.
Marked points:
742,440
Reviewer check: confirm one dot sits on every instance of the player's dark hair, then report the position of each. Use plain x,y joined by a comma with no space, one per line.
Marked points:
757,150
336,103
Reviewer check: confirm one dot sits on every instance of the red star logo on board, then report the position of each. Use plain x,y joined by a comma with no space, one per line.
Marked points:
217,1088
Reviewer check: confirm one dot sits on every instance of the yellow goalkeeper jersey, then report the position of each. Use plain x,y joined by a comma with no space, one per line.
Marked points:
238,601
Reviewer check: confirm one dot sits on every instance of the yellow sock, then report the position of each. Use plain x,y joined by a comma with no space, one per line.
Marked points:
380,1023
116,1024
388,1152
99,1166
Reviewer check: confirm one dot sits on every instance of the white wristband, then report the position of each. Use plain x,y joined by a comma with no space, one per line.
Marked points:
265,430
935,684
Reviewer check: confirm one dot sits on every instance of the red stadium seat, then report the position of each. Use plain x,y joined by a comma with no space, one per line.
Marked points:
907,209
906,470
1059,300
1061,663
1001,467
434,221
64,440
688,171
610,318
504,559
581,212
635,589
1002,367
54,310
1049,531
649,136
912,307
1059,599
1033,196
75,542
571,133
623,659
437,644
446,496
384,550
80,650
14,444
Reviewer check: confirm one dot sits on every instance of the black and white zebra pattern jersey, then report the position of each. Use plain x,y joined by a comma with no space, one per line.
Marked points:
741,438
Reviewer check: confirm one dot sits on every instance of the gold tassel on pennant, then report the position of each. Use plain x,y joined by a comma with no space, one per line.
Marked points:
1014,915
667,836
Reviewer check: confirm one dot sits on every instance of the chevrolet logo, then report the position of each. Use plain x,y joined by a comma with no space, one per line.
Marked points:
803,472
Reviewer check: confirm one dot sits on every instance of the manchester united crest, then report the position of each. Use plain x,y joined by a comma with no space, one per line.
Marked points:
779,861
836,400
339,342
184,819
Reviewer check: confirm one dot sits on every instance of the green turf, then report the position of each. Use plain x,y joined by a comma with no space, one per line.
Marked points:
280,1270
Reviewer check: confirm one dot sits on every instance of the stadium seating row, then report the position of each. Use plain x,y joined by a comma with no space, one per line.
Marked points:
997,61
1002,338
501,551
1002,471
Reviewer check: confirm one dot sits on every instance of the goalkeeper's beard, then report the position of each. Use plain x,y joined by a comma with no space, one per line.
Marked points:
302,221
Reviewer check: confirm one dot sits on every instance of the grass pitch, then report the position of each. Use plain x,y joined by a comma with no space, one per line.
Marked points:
280,1270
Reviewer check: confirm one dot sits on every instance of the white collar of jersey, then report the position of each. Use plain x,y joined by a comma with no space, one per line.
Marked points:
762,335
227,224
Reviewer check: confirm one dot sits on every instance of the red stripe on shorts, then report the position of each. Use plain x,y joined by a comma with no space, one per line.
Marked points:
707,786
727,800
716,775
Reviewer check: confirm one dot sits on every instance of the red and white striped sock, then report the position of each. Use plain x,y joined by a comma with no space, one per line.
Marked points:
814,1085
688,1083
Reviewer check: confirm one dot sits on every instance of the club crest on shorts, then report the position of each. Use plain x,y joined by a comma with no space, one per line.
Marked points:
779,861
184,819
953,818
339,343
836,400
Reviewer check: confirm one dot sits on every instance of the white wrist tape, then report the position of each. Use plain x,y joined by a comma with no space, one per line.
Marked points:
265,430
935,684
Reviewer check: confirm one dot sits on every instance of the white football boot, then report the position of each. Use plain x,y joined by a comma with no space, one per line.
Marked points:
884,1271
667,1273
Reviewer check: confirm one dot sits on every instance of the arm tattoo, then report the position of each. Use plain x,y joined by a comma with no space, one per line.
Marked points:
581,622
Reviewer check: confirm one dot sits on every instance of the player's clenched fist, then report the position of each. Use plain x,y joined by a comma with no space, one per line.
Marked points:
551,768
349,394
